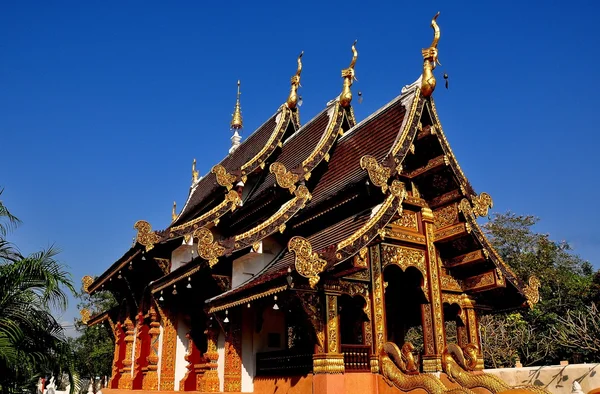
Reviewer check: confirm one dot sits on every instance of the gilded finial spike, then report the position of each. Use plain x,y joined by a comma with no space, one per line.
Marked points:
174,211
349,77
236,119
430,60
292,100
194,172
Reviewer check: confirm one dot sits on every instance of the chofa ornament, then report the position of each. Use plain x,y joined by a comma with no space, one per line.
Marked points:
308,263
430,60
87,282
85,316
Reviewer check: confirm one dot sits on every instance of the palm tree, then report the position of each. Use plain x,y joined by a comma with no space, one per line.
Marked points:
32,341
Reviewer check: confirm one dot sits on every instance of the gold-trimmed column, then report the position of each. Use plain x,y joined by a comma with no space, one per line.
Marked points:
125,381
332,361
232,380
433,313
472,327
211,381
378,299
150,381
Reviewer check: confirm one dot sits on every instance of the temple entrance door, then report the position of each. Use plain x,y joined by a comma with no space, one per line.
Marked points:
403,299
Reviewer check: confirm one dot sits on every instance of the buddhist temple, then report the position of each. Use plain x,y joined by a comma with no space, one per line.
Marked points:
307,259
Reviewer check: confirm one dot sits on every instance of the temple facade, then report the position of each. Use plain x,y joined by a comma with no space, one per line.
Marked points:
332,256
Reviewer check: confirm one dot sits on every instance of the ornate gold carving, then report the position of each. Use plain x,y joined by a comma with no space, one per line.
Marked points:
332,324
312,305
308,263
224,178
481,204
85,316
87,282
232,379
378,174
532,291
245,300
328,363
285,179
450,283
292,100
407,219
361,259
405,236
236,119
406,257
446,216
448,233
349,78
362,289
150,380
430,61
167,361
377,278
164,264
467,258
207,249
231,201
480,282
211,377
145,236
436,297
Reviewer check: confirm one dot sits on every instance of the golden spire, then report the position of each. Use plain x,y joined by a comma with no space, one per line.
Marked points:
174,211
348,75
236,120
194,172
292,100
430,60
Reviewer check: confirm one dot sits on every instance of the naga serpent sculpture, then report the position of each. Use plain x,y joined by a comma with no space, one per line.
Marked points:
400,369
459,363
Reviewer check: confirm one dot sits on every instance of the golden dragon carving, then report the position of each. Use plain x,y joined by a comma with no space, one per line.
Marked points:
399,369
459,363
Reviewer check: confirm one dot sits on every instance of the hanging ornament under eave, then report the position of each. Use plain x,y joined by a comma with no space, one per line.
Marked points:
226,320
189,285
275,306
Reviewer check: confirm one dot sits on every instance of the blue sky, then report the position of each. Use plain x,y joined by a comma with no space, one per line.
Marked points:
103,105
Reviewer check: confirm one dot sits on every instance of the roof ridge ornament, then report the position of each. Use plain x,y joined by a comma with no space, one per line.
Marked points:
194,173
236,117
349,77
430,60
292,100
174,211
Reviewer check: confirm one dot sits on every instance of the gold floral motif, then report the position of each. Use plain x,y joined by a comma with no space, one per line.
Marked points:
436,296
87,282
332,324
224,178
145,236
450,283
406,257
207,249
232,379
531,291
405,236
167,362
150,380
312,305
407,219
125,381
211,377
480,281
285,179
308,263
85,316
378,174
362,275
361,259
449,232
445,216
378,300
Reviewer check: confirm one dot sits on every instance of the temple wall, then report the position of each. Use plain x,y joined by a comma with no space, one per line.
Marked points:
558,379
248,355
181,256
250,263
181,351
273,323
221,361
160,343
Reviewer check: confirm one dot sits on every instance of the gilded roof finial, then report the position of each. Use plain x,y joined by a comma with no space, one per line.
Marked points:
348,75
292,100
430,61
174,211
194,172
236,119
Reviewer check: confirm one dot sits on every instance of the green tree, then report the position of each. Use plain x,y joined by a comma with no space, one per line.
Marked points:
566,286
32,342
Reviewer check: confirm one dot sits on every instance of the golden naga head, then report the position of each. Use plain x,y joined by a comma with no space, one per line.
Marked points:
430,60
292,100
236,118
